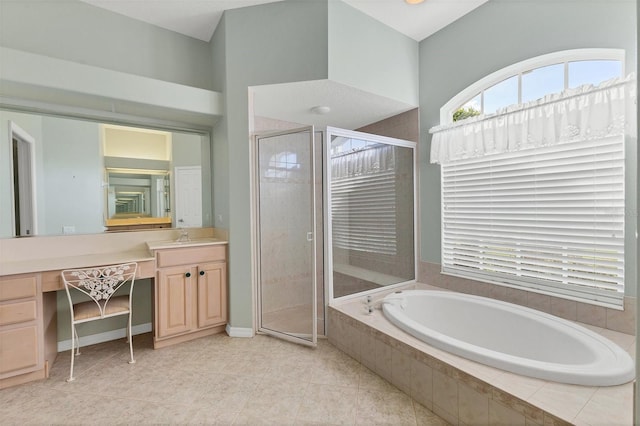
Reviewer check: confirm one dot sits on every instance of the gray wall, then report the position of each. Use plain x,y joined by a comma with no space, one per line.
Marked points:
501,33
68,187
286,42
369,56
191,149
72,177
78,32
268,44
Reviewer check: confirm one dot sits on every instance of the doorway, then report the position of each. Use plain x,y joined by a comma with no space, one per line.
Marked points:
23,186
288,175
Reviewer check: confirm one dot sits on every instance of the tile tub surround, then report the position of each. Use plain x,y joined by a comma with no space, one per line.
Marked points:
612,319
465,392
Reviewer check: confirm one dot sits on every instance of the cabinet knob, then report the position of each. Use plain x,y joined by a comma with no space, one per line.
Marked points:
201,273
188,274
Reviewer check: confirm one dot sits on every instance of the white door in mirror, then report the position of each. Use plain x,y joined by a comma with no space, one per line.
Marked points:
188,190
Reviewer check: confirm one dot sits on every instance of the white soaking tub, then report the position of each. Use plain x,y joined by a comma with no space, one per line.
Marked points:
509,337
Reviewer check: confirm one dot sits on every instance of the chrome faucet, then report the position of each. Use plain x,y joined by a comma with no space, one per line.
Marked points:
184,236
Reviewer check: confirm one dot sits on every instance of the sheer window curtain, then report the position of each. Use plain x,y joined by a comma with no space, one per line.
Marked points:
586,112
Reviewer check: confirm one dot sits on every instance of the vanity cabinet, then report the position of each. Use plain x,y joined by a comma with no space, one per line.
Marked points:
191,293
21,329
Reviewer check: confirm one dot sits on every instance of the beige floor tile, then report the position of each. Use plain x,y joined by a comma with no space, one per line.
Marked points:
384,408
181,414
371,381
213,380
426,417
344,372
328,404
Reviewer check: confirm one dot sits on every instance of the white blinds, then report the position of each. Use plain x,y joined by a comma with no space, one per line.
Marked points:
548,218
363,200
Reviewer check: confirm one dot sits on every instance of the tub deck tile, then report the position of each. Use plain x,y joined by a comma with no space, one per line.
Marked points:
510,396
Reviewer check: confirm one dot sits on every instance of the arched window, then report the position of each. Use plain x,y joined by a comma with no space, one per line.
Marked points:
533,190
532,79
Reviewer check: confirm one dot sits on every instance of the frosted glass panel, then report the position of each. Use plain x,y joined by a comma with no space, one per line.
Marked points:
286,232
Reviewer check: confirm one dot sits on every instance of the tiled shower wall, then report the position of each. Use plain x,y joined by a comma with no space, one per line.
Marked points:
612,319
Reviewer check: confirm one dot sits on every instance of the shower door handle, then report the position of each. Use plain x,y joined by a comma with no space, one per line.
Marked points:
309,236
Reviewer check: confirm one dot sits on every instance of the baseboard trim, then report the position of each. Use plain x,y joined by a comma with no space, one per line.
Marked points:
239,331
92,339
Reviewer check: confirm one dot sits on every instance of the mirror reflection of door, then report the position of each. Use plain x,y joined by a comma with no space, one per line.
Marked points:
188,193
23,188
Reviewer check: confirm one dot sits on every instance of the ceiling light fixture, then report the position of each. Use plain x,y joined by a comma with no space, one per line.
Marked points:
414,1
320,109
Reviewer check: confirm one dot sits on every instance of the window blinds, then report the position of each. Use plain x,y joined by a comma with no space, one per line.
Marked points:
363,200
548,218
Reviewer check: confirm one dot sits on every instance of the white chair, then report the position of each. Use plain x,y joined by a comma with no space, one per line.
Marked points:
99,284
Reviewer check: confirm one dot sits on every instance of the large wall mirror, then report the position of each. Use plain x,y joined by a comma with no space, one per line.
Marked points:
63,175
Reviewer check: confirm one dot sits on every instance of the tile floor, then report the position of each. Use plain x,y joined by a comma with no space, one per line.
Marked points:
213,380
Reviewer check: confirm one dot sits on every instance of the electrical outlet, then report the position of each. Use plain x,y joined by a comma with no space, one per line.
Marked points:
68,229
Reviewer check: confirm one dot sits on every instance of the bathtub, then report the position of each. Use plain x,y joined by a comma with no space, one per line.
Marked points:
510,337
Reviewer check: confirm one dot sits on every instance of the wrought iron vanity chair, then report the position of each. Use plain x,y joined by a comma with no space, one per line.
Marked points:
99,284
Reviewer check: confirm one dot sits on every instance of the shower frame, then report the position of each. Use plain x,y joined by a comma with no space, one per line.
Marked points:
329,299
330,132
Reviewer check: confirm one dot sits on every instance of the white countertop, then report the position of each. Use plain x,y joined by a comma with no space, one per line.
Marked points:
67,262
159,245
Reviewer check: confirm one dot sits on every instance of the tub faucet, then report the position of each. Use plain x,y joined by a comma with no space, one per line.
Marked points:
371,305
399,301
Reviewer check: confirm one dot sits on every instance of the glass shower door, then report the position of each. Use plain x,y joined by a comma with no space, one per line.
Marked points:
287,298
370,212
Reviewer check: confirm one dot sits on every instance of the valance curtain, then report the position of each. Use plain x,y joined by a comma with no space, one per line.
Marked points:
583,113
373,159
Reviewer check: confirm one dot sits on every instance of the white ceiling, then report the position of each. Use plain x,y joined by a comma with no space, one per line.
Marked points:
199,18
350,108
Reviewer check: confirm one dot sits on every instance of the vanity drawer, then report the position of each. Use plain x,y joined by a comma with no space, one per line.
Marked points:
190,255
18,287
12,313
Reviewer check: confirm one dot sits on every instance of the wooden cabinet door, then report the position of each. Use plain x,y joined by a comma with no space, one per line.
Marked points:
175,300
19,350
212,294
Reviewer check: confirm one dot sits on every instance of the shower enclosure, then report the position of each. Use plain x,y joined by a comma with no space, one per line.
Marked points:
289,202
329,232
